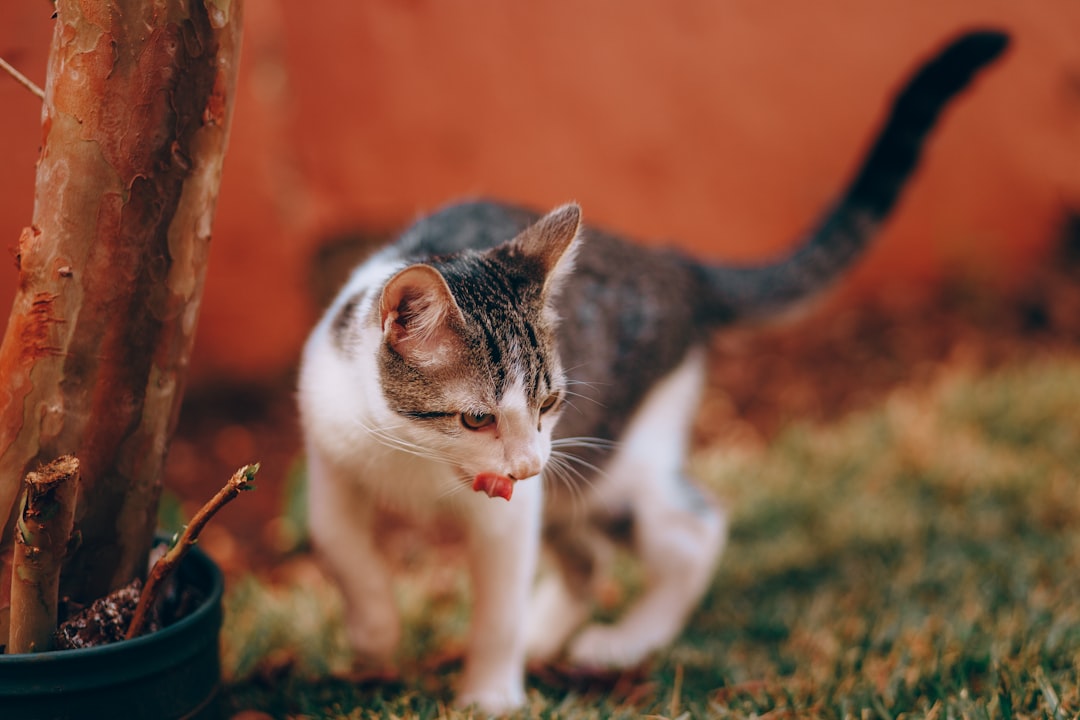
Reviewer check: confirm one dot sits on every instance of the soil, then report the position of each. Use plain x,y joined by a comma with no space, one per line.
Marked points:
107,619
818,367
103,621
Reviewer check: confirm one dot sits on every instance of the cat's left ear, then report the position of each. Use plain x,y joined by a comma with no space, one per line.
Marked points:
552,241
418,315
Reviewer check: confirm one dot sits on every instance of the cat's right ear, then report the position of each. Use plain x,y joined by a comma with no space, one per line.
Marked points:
417,311
552,240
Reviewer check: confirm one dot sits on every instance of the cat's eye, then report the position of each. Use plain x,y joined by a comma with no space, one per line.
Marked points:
549,403
477,421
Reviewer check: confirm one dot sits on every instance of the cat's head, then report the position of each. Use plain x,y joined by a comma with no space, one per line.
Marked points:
468,357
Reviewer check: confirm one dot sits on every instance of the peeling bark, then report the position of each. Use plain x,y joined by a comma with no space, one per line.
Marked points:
138,100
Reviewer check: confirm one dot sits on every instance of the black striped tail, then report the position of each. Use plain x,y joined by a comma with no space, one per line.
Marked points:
738,292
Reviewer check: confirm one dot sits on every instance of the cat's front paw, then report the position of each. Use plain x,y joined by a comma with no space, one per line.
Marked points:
602,647
373,637
554,615
493,700
540,646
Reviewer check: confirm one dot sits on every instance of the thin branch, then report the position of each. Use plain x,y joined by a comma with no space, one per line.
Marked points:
22,79
239,482
43,528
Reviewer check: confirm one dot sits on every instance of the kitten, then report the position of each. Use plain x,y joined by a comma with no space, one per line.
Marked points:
492,354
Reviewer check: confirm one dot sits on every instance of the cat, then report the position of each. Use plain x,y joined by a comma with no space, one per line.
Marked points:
535,380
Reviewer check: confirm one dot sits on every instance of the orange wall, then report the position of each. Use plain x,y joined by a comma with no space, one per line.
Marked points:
722,125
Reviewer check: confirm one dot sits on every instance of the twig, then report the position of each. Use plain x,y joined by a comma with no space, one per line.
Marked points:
43,528
21,79
240,481
676,691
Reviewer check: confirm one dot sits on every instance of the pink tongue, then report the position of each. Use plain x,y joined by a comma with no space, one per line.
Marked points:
494,485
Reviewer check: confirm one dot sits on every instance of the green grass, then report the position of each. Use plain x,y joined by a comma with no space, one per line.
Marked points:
919,559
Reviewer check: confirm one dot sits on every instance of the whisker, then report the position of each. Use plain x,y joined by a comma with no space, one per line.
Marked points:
578,381
566,462
384,436
561,446
584,441
573,480
453,488
570,404
563,474
571,393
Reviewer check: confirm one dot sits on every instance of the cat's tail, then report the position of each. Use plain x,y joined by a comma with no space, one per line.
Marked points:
747,292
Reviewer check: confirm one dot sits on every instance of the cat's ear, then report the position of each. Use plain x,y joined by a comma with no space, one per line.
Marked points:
552,241
417,311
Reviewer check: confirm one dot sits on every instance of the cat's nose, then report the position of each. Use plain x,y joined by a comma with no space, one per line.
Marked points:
525,468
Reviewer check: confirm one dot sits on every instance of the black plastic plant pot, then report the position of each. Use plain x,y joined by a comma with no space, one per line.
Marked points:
172,673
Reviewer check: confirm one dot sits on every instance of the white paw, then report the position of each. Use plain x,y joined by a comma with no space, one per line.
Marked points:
554,615
540,646
493,700
607,646
547,633
373,637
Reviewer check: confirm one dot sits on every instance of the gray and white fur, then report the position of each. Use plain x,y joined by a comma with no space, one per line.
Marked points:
491,339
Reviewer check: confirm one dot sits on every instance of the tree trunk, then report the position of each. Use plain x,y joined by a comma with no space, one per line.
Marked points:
138,99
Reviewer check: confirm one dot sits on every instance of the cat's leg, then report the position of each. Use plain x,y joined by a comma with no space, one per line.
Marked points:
555,612
341,516
503,548
678,531
678,543
562,599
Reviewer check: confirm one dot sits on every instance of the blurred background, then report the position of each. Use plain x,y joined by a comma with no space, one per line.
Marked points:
723,128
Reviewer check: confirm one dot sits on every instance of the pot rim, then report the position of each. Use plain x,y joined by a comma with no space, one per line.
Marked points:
144,655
